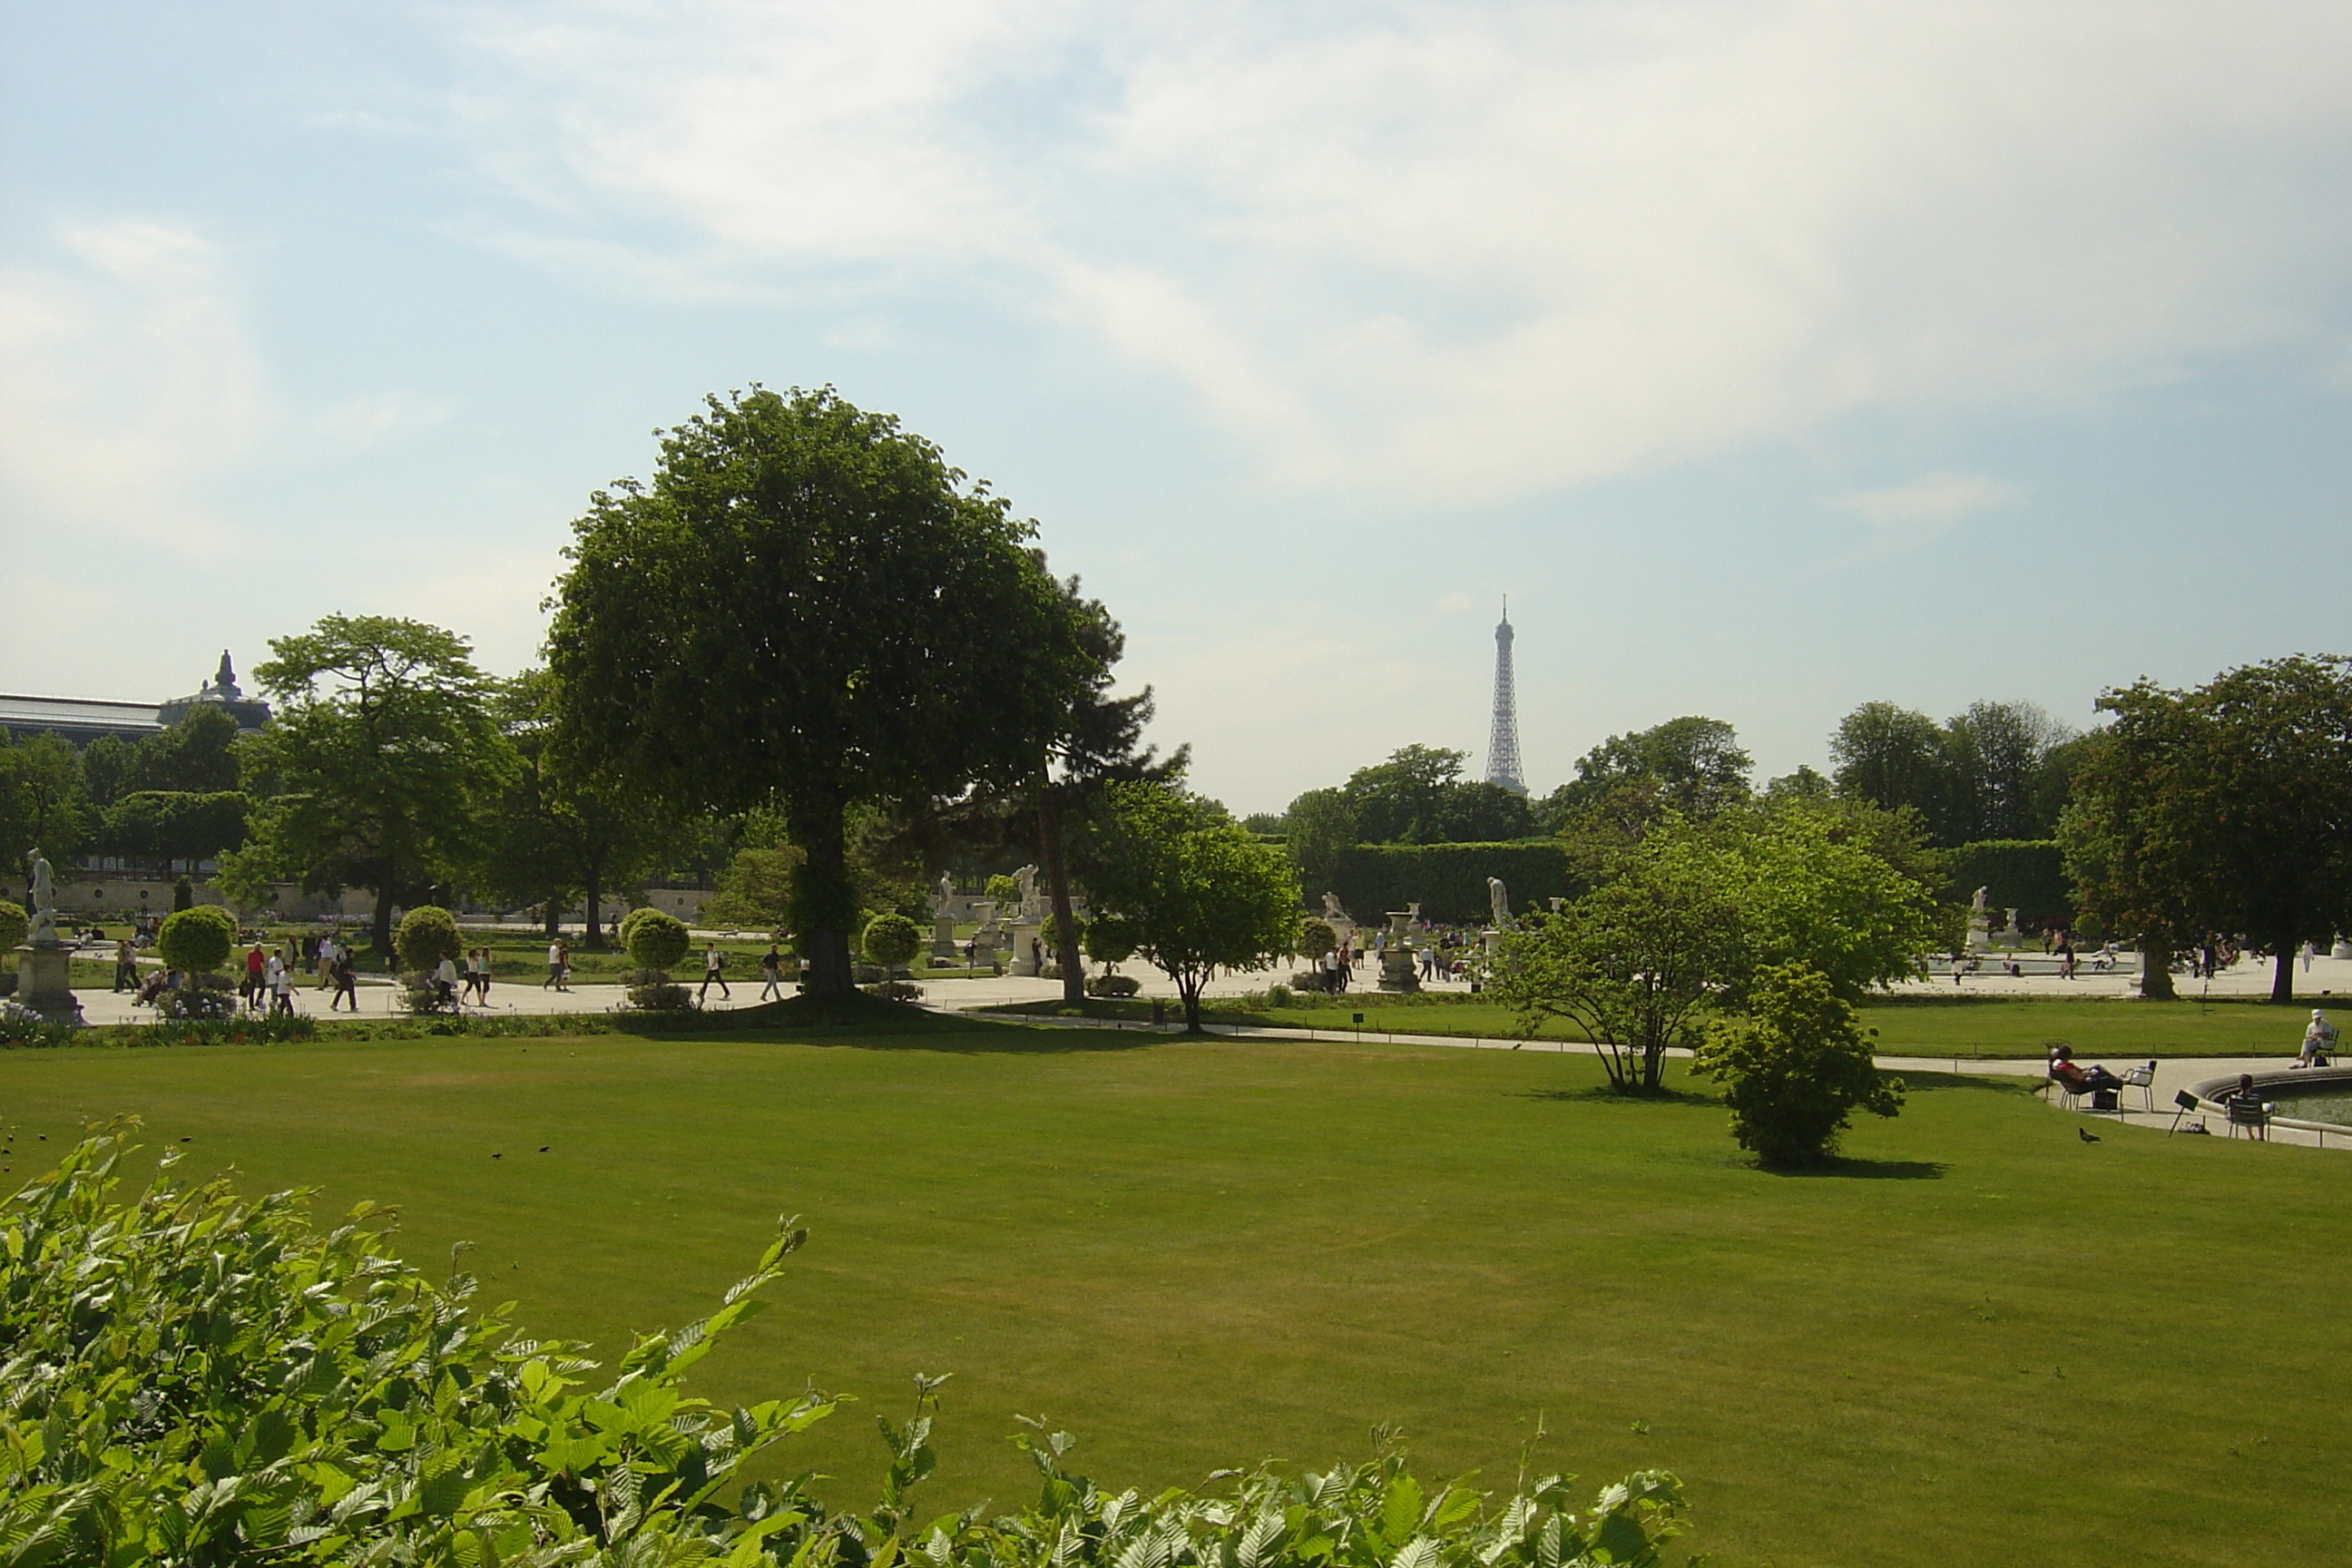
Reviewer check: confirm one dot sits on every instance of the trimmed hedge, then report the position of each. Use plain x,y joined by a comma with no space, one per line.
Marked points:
2027,875
1448,880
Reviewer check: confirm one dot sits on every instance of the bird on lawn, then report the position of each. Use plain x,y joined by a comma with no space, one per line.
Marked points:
2086,1135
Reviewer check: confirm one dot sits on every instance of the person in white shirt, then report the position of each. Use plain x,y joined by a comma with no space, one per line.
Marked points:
444,980
554,966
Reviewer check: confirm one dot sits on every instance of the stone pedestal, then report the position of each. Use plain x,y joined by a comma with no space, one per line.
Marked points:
41,982
1397,970
1022,959
944,950
2343,949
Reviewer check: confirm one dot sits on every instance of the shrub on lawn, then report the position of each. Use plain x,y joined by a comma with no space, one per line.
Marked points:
425,937
196,941
1796,1067
892,941
14,923
1113,985
894,990
1317,937
655,940
1109,940
201,1378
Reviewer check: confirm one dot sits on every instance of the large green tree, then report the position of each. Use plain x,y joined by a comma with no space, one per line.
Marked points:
42,802
564,831
806,606
1692,766
1194,889
1997,771
385,759
2225,809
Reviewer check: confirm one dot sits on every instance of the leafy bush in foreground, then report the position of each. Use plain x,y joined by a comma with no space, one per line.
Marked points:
1798,1067
200,1379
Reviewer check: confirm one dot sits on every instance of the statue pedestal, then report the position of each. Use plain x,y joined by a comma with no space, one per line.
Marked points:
1023,958
42,985
944,950
1398,971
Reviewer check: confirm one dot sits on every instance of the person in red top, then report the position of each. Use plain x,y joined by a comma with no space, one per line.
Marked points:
2081,1079
254,963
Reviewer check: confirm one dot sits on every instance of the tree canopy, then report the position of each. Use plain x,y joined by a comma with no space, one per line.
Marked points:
1692,766
1194,890
385,758
2222,810
807,606
1998,771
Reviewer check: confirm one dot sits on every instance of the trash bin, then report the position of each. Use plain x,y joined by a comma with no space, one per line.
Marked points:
1158,1014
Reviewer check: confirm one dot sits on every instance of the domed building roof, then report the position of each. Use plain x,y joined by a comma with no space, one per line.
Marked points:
221,692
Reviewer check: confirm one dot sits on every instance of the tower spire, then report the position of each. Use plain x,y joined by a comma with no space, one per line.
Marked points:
1503,738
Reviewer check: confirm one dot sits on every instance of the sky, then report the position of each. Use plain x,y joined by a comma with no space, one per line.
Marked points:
1771,357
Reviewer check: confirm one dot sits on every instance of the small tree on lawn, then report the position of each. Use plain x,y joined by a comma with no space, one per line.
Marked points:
1317,937
1796,1067
14,923
1633,963
426,936
196,941
1199,891
892,941
1109,940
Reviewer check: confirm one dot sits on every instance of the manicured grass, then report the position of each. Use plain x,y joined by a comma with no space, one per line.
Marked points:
1980,1340
1981,1027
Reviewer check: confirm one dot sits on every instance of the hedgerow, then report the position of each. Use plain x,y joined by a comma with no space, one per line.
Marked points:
199,1379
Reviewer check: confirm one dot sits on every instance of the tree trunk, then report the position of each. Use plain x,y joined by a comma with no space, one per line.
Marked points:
2283,973
555,917
596,942
384,899
822,905
1067,952
2155,971
1189,989
1653,1067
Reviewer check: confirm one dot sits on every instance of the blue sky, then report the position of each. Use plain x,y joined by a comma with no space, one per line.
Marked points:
1772,357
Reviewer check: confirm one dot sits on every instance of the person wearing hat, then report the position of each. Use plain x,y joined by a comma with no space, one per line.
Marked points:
2318,1040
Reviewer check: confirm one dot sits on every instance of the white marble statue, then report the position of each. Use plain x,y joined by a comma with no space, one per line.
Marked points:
1498,901
1032,908
41,891
1332,909
1978,903
944,895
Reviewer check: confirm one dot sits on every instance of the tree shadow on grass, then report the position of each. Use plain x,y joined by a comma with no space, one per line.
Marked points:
1844,1168
865,1023
1601,1094
1994,1083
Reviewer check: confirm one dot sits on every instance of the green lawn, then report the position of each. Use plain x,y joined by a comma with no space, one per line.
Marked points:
1982,1340
1965,1026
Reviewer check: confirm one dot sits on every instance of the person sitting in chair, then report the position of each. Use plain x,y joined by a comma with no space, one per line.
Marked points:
2079,1079
2318,1041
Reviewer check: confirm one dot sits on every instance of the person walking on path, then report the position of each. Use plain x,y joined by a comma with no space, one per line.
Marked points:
772,967
272,973
712,961
254,962
444,980
126,967
482,978
282,990
346,980
556,964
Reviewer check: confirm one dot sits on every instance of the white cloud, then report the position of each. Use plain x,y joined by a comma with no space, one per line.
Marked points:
126,378
1476,250
1908,516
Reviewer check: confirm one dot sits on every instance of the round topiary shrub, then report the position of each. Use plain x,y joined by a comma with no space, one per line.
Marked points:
425,937
1110,939
14,923
1113,985
196,941
1317,937
655,940
628,923
892,941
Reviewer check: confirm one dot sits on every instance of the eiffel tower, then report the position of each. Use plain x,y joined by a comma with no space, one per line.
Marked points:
1503,740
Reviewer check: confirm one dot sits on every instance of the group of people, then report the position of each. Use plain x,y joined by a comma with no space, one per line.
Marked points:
456,986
